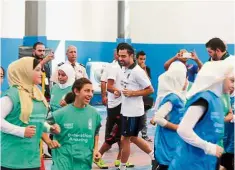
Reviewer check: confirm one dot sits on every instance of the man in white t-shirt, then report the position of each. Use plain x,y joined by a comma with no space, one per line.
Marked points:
135,84
111,77
104,79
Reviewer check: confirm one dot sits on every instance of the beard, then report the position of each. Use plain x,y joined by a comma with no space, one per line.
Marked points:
39,57
121,63
215,57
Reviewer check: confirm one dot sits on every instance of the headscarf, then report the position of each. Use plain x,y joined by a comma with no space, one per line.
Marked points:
172,81
20,74
70,73
212,75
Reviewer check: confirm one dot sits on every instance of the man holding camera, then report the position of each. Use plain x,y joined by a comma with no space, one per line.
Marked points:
183,56
39,53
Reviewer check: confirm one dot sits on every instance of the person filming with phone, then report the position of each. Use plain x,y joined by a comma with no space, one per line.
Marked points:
184,56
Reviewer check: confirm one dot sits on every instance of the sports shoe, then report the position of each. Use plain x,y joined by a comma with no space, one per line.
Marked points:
101,164
128,164
147,138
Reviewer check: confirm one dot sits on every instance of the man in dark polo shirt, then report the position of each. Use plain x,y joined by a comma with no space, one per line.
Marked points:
141,59
39,53
217,49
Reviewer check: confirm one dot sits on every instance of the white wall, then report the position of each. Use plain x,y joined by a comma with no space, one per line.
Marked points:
70,20
181,21
12,18
150,21
82,20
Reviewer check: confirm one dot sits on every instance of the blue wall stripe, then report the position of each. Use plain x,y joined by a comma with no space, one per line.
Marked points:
157,54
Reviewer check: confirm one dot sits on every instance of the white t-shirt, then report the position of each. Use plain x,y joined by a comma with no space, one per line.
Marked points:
114,73
133,79
106,70
104,74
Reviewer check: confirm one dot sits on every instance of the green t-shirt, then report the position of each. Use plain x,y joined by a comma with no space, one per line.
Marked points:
225,98
17,152
57,94
226,102
78,127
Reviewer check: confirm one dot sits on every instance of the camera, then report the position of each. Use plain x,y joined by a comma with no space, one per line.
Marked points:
187,55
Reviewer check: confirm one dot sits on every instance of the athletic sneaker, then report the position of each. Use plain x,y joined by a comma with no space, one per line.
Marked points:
128,164
101,164
154,165
147,138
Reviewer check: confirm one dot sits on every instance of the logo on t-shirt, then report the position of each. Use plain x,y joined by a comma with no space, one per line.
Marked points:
90,124
68,125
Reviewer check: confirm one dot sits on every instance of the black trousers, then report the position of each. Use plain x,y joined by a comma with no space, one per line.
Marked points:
227,161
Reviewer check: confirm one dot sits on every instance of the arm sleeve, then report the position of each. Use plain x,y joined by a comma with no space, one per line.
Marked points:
111,73
162,112
185,129
104,75
142,79
7,127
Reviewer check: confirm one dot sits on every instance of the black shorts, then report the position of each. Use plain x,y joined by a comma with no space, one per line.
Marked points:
227,161
131,126
113,125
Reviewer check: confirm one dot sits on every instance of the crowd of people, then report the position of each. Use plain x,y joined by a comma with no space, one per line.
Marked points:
193,111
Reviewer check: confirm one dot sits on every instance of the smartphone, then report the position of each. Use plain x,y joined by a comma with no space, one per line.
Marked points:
187,55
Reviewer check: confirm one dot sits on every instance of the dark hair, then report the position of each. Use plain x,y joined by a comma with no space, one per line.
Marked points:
140,53
3,71
36,44
69,98
79,83
215,43
117,48
125,46
35,63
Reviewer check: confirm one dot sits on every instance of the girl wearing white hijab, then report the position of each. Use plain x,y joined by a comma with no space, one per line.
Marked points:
164,88
23,112
170,111
66,78
203,123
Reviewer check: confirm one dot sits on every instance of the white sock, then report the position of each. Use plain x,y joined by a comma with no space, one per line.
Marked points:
151,155
122,166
